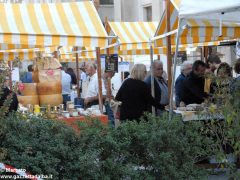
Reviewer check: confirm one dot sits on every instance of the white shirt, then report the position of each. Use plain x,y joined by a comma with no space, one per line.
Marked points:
66,83
83,76
92,87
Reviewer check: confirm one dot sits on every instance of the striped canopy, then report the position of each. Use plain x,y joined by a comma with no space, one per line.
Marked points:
24,54
133,37
196,31
65,55
51,24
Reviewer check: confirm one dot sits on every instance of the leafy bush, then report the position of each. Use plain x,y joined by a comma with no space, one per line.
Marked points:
151,149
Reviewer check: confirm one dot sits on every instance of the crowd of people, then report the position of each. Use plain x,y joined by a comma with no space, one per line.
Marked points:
194,85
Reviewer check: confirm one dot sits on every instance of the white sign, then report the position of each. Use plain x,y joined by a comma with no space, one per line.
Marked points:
123,66
15,74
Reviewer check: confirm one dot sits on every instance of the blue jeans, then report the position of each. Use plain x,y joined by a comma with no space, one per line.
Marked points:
110,114
66,98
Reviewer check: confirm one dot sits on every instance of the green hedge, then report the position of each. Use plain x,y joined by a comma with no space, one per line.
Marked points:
156,148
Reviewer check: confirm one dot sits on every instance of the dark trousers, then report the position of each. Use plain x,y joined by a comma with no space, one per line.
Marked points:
66,98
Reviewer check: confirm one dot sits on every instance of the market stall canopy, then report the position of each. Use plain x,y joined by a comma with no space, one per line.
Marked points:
226,10
133,37
17,46
24,54
10,56
52,24
66,55
205,31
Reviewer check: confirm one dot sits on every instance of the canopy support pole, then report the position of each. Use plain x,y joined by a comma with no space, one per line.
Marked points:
100,95
10,75
152,78
78,74
174,70
169,52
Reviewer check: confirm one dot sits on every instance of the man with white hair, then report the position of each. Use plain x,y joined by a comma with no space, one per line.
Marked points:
186,68
91,96
160,85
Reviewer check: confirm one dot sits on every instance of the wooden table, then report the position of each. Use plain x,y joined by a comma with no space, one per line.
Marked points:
73,121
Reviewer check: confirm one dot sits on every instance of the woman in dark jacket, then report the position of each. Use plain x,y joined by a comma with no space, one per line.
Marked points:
135,95
222,83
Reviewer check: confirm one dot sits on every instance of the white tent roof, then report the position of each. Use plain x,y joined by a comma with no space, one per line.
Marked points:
227,10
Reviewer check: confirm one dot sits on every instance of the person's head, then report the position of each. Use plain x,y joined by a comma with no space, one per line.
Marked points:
70,71
208,70
224,70
237,66
186,67
90,68
199,68
157,68
139,72
214,61
30,68
126,74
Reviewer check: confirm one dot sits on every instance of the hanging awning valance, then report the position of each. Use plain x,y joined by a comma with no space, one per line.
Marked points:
196,30
133,37
51,24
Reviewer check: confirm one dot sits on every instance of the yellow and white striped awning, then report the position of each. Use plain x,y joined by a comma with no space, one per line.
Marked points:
133,37
66,55
24,54
51,24
10,56
196,30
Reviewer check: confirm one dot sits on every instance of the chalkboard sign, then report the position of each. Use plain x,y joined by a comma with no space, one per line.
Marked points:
111,63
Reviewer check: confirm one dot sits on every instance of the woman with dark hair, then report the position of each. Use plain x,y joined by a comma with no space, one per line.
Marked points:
223,80
73,76
237,69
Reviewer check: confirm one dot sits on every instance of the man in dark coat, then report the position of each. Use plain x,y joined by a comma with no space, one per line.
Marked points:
160,85
193,85
186,68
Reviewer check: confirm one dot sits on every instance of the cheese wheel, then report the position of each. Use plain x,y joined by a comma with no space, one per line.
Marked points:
25,100
49,75
28,89
35,76
47,88
53,99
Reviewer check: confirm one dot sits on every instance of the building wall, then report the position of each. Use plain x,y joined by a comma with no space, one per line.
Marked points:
134,10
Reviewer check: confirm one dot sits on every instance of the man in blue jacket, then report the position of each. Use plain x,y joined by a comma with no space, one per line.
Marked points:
160,85
27,78
186,68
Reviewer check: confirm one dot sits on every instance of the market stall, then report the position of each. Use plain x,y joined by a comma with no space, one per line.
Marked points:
192,25
38,25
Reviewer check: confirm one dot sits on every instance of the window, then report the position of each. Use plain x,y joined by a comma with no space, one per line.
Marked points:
148,13
106,2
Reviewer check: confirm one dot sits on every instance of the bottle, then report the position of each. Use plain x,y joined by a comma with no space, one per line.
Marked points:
36,109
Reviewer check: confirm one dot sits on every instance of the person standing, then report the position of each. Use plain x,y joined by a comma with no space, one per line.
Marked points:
186,68
214,62
160,85
66,87
27,77
91,96
107,76
193,85
73,76
135,95
224,79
